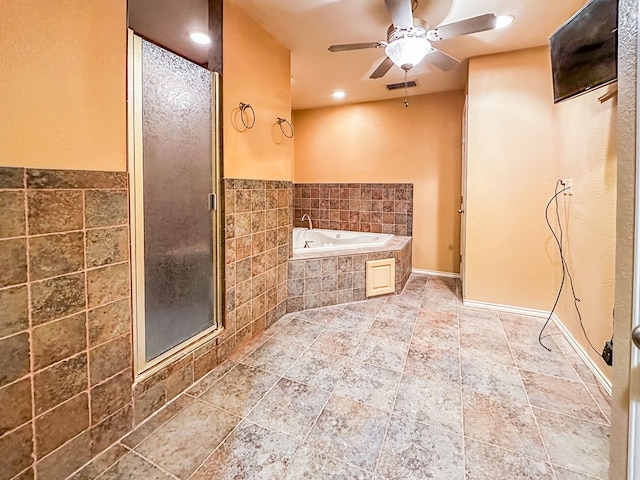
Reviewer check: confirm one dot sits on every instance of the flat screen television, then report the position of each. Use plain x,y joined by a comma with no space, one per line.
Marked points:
584,50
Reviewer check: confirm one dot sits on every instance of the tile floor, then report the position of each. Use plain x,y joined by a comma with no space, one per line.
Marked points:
413,386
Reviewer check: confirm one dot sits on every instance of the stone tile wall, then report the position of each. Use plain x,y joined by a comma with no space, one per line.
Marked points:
357,207
65,326
258,217
66,382
333,278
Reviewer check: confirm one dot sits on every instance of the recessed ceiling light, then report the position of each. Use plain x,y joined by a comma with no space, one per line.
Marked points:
338,94
503,21
200,38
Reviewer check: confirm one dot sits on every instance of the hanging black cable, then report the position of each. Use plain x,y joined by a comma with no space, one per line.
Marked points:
565,268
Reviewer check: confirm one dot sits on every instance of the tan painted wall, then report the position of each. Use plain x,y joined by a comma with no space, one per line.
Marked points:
386,142
63,84
511,173
512,258
586,152
256,70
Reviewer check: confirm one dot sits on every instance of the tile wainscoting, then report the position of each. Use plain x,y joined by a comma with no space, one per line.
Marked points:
66,382
357,207
258,228
65,325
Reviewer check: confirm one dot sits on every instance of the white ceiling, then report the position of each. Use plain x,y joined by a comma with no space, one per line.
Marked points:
308,27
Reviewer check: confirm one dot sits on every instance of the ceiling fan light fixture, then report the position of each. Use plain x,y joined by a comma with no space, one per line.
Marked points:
200,38
407,52
503,21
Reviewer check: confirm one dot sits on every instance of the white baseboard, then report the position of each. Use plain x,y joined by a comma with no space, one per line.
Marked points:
606,384
506,308
435,273
602,379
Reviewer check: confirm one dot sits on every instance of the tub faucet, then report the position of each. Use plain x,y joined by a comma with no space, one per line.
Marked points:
306,216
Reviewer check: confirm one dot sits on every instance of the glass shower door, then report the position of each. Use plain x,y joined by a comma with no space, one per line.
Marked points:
174,177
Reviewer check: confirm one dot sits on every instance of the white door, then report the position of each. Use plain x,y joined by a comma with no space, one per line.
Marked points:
463,194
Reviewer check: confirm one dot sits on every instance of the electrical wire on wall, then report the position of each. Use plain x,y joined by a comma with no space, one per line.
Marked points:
565,268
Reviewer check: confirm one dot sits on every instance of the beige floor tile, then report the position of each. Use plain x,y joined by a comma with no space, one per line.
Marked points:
185,441
434,402
319,315
289,408
250,452
484,461
300,331
274,356
415,451
318,369
561,396
575,444
564,474
502,422
350,431
240,389
534,358
382,352
369,384
433,363
132,467
309,463
497,380
392,328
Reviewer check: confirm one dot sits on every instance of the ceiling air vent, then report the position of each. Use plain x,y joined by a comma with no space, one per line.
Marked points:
398,86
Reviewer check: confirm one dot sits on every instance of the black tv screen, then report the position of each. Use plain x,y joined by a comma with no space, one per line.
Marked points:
584,50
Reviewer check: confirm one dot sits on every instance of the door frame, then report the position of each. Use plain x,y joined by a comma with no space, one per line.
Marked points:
463,194
143,368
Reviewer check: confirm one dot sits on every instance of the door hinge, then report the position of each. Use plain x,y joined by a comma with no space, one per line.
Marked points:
460,258
213,201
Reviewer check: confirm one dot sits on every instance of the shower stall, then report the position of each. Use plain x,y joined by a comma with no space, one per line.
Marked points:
175,181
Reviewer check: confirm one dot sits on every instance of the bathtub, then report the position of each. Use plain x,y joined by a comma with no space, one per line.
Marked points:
321,240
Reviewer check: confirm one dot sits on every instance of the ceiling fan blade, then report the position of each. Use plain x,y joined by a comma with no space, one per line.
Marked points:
400,11
441,60
382,69
464,27
355,46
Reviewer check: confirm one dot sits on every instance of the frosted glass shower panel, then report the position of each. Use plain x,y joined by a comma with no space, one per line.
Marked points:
177,179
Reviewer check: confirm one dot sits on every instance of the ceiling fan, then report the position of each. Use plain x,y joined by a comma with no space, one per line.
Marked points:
409,39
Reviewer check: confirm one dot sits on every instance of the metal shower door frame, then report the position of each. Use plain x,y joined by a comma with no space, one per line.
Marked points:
142,367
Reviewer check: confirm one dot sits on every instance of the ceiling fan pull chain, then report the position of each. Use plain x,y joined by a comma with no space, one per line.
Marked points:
406,104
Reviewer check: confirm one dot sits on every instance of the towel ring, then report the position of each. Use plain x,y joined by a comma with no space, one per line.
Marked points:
247,106
280,121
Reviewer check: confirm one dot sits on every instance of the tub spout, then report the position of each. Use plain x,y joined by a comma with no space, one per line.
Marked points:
308,218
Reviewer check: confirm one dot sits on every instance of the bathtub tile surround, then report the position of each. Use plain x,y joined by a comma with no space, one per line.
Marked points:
357,207
348,401
65,327
320,279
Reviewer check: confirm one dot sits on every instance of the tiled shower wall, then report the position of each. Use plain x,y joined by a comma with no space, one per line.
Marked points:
358,207
65,328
